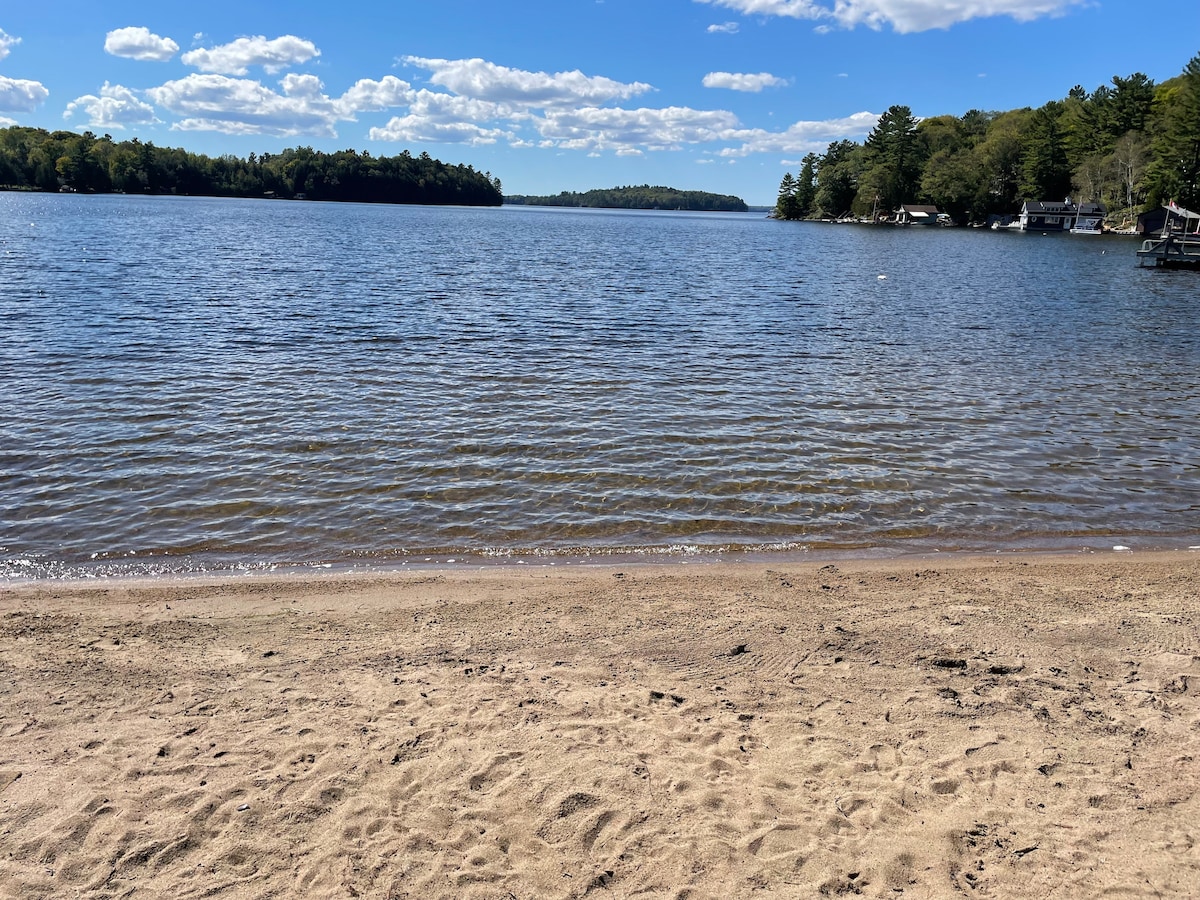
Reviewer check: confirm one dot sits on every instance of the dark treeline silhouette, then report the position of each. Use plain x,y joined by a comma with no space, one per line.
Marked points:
1130,145
35,159
639,197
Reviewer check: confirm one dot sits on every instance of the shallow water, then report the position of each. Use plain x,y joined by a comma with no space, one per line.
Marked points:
189,384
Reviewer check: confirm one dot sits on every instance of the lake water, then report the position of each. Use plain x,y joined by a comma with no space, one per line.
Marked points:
191,384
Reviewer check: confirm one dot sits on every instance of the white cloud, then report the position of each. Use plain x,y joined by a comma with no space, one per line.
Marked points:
447,108
487,103
115,108
418,129
241,106
6,122
482,80
446,118
905,16
723,28
300,107
7,42
21,95
224,126
235,58
137,42
372,96
624,130
801,137
743,82
479,103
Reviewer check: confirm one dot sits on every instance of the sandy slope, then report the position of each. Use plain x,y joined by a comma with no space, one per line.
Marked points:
1015,727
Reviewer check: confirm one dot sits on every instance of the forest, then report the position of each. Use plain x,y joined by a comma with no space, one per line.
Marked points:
35,159
638,197
1131,145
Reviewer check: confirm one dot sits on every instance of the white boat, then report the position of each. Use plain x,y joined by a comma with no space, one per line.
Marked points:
1089,219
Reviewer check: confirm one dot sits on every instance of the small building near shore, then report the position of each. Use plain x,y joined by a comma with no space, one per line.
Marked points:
912,214
1039,215
1179,220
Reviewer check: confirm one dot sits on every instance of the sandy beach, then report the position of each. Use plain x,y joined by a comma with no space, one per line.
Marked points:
1010,726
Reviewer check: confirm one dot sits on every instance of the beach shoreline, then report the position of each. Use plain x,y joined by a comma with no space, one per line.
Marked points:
1007,724
150,568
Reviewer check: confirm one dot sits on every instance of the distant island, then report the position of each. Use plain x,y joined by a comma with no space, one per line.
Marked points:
34,159
639,197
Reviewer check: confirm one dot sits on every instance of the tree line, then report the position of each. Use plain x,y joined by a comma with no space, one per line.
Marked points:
1130,145
35,159
637,197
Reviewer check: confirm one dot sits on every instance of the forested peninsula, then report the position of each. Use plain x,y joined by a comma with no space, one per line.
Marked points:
35,159
1131,145
639,197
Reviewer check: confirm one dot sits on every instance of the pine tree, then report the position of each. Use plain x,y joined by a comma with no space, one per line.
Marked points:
894,158
1046,173
785,205
806,185
1175,173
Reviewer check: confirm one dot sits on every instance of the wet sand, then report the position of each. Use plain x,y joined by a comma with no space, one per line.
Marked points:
1016,726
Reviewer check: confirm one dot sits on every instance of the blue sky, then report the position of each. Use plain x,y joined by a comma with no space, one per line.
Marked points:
552,95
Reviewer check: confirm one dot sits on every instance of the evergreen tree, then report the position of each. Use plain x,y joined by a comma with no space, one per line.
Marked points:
1046,173
1129,106
1175,172
785,204
893,158
806,185
837,177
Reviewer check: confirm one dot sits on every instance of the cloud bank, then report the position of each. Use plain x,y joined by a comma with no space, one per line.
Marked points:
473,102
300,107
904,16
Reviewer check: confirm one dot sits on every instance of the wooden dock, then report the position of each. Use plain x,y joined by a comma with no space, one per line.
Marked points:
1173,251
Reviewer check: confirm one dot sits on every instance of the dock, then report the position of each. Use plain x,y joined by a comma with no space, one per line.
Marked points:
1173,251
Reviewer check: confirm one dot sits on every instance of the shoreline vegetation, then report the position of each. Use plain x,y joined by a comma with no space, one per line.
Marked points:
63,161
637,197
1131,145
994,726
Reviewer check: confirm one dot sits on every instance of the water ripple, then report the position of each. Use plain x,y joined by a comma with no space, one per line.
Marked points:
190,384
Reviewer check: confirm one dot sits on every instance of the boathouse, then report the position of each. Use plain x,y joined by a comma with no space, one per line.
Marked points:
1038,215
1171,217
911,214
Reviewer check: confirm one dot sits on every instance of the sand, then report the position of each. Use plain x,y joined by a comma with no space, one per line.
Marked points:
1016,726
